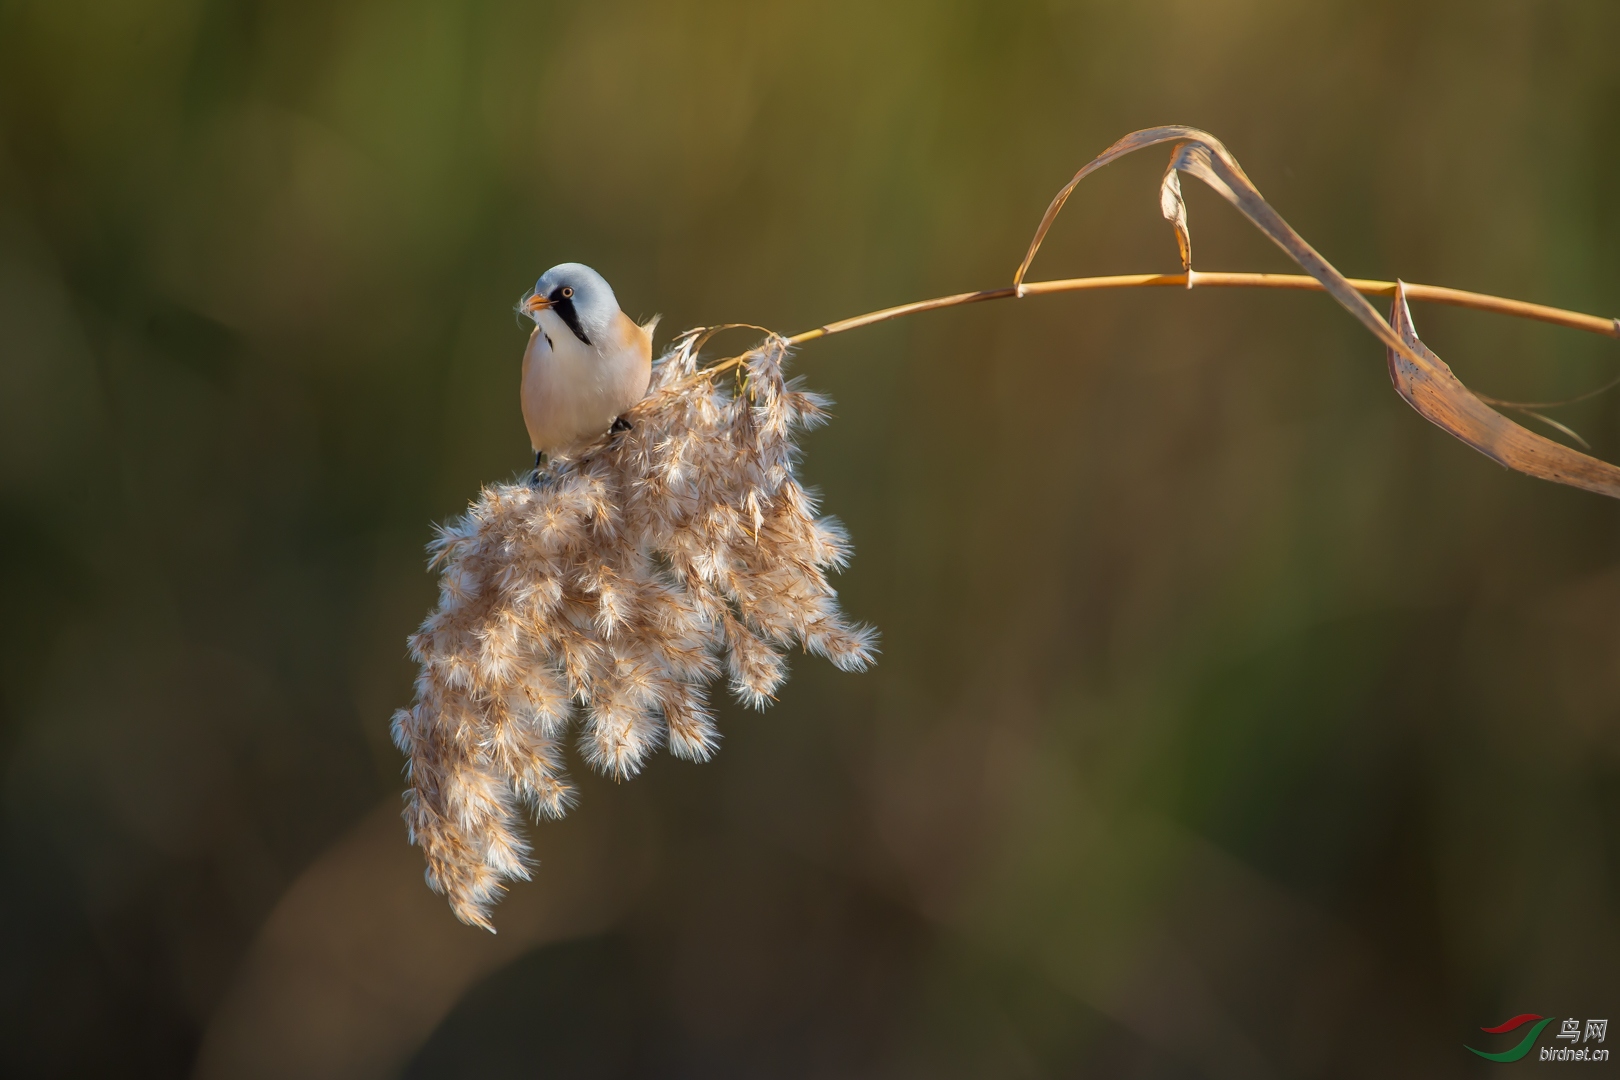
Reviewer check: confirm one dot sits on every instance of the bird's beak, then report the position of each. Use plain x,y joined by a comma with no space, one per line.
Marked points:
536,303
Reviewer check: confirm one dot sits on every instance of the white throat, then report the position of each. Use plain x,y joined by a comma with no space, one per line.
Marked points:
563,339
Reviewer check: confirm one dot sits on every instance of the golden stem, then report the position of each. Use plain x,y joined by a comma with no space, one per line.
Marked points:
1437,294
1201,279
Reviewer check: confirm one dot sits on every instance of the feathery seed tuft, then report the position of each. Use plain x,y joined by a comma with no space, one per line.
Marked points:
618,585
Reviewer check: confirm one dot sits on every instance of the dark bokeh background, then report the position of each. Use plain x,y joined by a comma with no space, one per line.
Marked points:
1231,721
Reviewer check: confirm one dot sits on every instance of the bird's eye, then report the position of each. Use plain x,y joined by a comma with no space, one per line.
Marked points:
568,290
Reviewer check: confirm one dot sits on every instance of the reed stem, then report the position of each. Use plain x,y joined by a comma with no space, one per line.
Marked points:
1201,279
1420,377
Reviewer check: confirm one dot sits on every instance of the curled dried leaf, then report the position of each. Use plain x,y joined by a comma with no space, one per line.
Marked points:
1441,398
1174,209
1426,382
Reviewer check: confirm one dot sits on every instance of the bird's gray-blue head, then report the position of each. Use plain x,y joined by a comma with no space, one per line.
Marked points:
580,297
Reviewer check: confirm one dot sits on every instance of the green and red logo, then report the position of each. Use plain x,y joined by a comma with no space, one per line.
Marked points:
1581,1039
1525,1043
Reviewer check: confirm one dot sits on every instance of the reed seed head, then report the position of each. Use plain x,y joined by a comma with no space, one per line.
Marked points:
612,590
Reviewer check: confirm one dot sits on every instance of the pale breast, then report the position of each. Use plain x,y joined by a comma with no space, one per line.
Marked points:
573,392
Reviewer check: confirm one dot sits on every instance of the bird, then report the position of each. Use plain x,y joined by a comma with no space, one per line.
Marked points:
586,363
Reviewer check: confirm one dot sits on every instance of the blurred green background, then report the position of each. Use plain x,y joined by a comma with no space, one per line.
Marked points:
1231,720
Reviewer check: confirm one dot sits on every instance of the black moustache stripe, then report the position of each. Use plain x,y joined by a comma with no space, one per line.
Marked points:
564,307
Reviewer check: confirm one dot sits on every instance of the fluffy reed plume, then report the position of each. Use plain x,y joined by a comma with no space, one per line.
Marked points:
616,585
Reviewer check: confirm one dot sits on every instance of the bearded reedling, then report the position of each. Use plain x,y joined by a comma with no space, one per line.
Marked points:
587,361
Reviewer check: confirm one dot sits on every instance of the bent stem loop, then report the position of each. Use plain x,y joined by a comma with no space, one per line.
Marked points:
1420,376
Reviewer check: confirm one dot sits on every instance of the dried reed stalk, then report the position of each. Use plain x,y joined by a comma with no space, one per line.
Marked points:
1420,376
621,578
